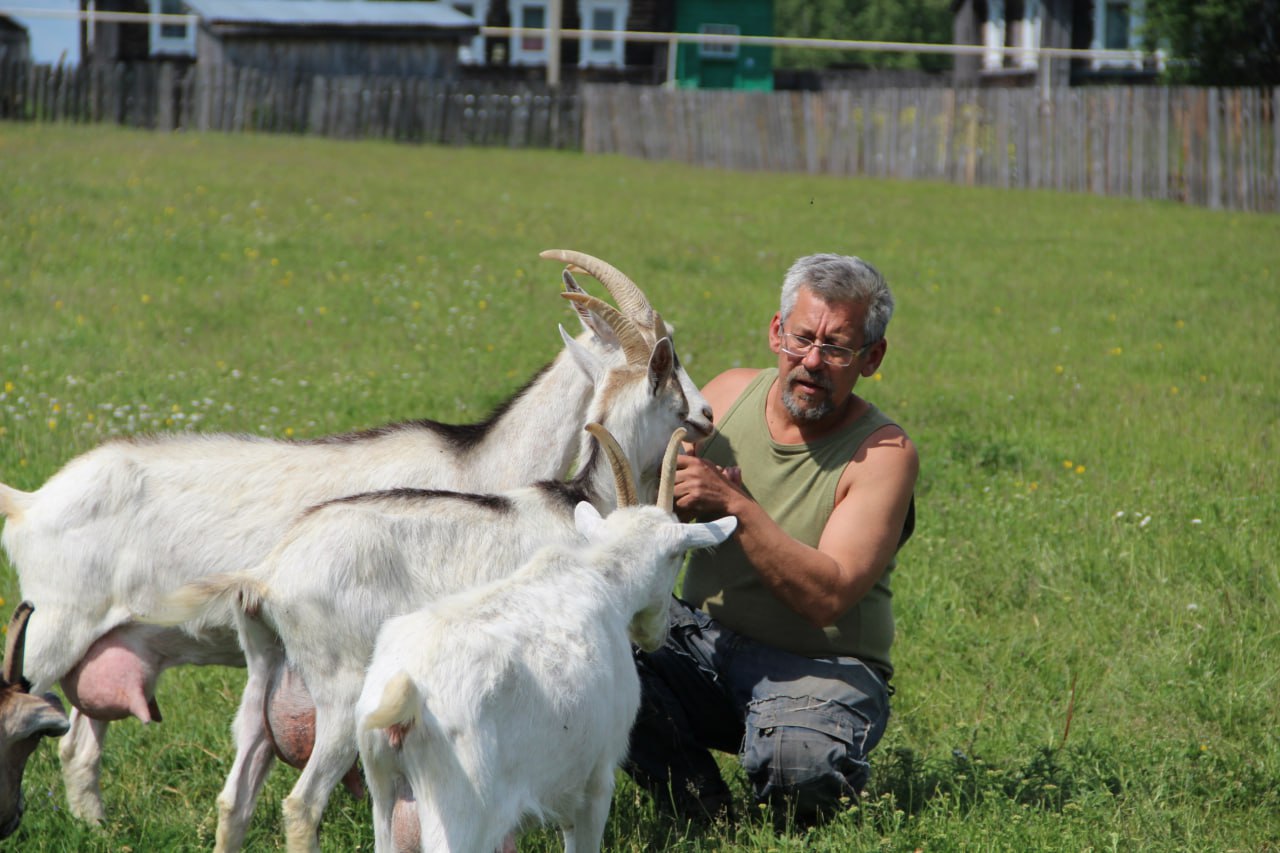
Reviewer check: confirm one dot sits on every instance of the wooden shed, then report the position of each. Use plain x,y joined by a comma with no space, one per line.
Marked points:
331,37
15,41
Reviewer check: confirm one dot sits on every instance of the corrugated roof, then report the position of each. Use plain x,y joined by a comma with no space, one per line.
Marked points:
331,13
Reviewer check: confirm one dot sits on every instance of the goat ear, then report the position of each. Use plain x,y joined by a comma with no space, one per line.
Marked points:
587,519
591,321
662,363
587,361
32,716
709,534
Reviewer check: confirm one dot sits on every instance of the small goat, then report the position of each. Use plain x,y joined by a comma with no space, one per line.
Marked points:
24,719
134,519
512,701
315,605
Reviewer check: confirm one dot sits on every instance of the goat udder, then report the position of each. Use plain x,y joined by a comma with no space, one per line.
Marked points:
111,682
291,725
291,719
406,832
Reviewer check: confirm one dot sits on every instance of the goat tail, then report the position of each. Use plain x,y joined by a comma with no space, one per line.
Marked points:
399,706
208,603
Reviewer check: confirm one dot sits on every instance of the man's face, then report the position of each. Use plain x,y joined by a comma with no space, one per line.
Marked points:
813,390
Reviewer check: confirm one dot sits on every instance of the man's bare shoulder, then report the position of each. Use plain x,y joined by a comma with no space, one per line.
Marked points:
722,391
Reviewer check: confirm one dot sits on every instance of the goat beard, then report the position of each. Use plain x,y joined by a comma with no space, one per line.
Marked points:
816,409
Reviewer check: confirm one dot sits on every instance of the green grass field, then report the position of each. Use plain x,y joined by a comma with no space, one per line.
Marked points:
1089,614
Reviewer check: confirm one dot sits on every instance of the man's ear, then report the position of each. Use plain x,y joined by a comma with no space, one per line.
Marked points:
875,355
775,334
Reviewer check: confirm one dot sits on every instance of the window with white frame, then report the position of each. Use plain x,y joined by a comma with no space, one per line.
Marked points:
718,50
1011,34
1115,27
472,52
529,48
603,16
172,37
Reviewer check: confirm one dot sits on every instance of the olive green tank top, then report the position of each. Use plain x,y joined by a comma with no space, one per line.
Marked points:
796,485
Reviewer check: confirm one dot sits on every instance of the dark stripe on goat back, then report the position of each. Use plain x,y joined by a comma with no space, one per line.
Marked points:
495,503
461,437
568,494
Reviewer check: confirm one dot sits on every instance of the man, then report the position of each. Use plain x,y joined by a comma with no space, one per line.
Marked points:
779,646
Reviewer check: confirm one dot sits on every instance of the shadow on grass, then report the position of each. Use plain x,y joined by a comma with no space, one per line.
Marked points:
904,783
1049,779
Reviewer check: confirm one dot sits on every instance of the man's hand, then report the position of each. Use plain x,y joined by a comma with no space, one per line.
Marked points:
704,489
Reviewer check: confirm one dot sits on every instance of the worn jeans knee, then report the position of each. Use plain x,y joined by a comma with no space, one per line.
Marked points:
810,751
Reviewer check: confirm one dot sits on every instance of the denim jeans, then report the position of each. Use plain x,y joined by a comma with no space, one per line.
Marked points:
803,727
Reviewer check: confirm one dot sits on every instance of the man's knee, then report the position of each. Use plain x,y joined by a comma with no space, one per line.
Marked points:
807,755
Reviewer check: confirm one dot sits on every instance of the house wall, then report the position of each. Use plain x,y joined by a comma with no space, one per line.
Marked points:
330,54
116,42
750,68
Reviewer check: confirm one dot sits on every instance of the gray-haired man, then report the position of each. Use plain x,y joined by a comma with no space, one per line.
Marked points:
779,648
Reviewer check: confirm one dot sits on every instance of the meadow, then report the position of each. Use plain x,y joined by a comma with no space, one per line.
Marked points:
1088,652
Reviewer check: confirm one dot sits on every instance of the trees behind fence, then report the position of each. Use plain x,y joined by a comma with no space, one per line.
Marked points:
1212,147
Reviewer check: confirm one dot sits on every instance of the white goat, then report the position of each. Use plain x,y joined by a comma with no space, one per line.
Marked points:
133,519
512,701
25,718
315,605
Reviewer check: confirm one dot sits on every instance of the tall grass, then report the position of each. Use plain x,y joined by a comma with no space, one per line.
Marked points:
1089,634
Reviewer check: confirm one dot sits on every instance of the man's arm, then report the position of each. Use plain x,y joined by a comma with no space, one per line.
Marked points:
858,542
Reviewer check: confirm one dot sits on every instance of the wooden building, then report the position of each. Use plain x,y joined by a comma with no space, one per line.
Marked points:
608,57
611,56
15,41
109,42
331,37
1013,31
415,39
725,65
443,38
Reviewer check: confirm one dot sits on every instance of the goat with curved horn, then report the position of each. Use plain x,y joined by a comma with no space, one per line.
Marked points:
634,305
24,719
623,475
395,550
629,337
667,484
631,298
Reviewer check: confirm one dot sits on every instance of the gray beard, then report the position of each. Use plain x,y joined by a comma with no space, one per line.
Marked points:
815,412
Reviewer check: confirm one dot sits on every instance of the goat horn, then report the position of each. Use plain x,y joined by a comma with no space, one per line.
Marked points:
623,479
13,648
667,485
633,344
630,298
571,283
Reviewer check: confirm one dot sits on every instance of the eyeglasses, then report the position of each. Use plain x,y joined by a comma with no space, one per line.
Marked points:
831,354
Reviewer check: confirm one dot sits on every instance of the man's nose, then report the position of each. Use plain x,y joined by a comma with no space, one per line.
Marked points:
813,358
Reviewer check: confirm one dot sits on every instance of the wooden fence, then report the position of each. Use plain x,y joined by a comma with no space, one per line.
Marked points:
170,97
1213,147
1218,148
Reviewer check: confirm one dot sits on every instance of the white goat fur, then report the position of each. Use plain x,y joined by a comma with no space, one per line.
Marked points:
134,519
315,605
518,696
